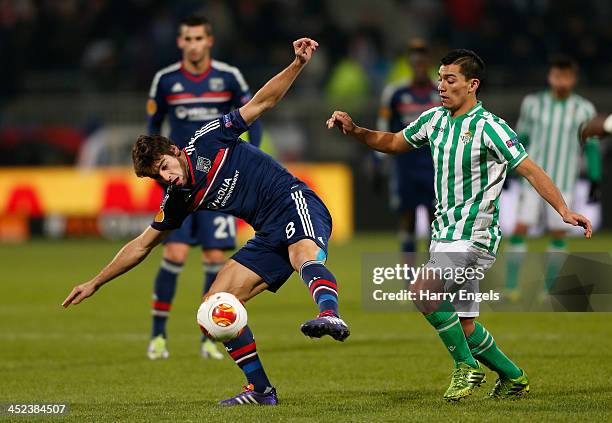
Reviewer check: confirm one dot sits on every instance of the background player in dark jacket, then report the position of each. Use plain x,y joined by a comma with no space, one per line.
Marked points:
292,224
190,93
412,174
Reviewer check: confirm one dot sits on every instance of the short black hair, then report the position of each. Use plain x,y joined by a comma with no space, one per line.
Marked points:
196,20
470,64
562,61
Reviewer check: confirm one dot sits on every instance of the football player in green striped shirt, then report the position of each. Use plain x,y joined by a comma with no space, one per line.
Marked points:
472,151
548,127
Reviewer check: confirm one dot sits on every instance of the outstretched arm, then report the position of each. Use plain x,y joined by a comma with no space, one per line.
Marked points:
549,191
274,90
128,257
597,127
386,142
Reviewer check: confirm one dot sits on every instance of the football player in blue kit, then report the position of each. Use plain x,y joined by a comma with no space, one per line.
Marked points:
292,224
412,176
191,93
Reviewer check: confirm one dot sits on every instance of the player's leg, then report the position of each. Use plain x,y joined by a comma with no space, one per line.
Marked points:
439,311
556,255
174,256
515,254
512,381
411,185
557,247
306,232
212,262
444,314
528,211
245,284
407,231
216,233
176,249
308,259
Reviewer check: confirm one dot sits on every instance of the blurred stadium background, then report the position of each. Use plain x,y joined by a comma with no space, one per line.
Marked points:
73,88
75,76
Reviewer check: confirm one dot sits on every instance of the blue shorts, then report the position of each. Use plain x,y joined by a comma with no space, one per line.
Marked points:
301,216
210,229
412,181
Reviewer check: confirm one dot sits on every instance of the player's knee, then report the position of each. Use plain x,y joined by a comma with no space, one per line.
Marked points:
557,234
421,291
230,279
521,229
303,251
176,253
467,324
242,293
213,256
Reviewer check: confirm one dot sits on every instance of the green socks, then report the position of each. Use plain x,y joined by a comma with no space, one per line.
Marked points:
449,329
484,348
557,250
515,254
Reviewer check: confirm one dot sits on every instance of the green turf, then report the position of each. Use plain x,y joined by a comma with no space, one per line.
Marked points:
392,368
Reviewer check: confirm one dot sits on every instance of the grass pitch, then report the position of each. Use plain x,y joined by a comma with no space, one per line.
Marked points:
392,368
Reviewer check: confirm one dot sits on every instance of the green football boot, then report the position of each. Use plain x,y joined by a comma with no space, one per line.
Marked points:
209,350
510,388
157,349
463,381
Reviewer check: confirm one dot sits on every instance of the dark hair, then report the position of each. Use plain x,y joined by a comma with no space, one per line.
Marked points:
470,64
561,61
147,152
418,46
196,20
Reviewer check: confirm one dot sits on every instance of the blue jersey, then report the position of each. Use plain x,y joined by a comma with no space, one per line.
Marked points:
191,100
228,175
401,104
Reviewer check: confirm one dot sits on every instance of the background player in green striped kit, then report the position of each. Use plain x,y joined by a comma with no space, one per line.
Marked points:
548,127
472,150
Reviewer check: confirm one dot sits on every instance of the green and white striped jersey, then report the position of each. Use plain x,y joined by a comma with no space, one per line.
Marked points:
471,154
549,128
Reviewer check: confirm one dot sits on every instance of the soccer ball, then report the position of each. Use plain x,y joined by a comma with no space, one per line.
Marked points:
222,316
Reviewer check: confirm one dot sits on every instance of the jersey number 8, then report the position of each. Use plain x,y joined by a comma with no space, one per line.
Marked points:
290,230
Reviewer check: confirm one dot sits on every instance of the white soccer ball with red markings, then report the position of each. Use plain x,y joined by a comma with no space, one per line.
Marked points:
222,316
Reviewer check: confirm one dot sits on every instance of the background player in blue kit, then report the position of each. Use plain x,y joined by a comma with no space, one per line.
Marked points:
412,175
191,93
292,224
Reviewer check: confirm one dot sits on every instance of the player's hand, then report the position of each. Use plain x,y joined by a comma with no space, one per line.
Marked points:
303,48
342,121
576,219
79,293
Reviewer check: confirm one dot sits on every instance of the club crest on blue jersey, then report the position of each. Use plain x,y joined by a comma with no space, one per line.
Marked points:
216,84
203,164
227,121
181,112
